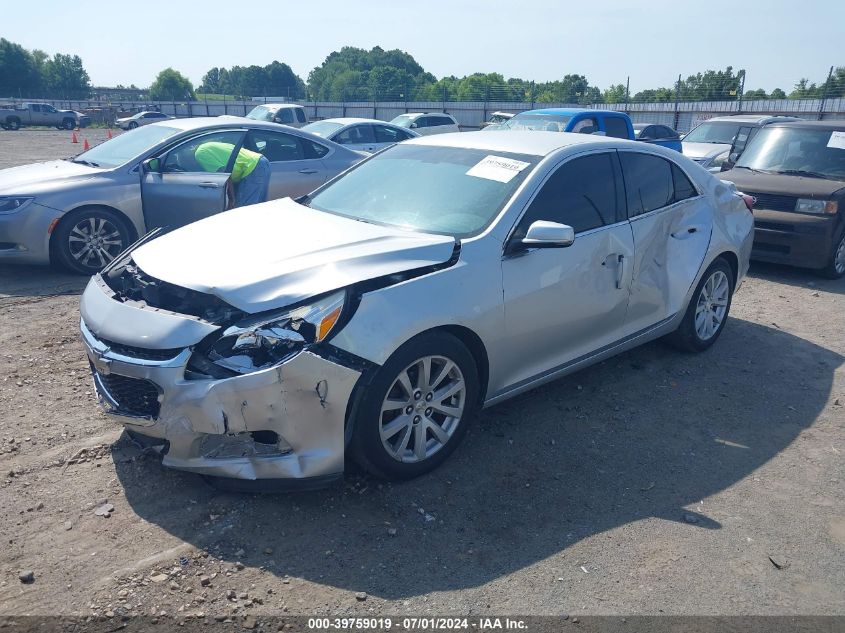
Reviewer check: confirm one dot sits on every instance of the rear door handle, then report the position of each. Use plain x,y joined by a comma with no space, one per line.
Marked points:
209,185
620,271
307,171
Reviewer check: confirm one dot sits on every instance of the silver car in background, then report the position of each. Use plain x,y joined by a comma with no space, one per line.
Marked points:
377,314
82,212
141,118
361,135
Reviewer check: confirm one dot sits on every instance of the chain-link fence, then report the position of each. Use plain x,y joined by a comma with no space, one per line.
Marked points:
474,98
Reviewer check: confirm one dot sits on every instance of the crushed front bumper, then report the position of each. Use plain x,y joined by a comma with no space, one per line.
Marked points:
284,422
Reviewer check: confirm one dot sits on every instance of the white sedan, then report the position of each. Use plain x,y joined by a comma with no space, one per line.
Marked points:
142,118
363,135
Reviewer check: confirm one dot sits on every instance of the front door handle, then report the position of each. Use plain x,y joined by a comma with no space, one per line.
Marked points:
307,171
209,185
620,271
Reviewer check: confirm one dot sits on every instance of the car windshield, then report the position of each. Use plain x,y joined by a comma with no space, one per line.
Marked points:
537,122
445,190
260,113
123,148
322,128
403,120
799,151
716,132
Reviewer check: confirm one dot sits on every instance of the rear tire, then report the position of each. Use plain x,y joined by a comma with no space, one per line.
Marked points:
407,423
707,311
835,268
87,240
68,124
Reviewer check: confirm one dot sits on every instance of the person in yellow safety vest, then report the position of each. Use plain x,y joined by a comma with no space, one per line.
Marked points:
250,179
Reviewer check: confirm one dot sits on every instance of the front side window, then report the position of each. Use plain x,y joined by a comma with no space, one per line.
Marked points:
355,135
274,146
300,115
284,115
211,153
386,134
123,148
648,182
616,127
585,126
446,190
581,193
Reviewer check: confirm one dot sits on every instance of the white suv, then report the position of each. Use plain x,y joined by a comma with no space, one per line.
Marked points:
426,123
284,113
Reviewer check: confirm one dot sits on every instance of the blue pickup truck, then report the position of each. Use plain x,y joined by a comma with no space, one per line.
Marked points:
580,120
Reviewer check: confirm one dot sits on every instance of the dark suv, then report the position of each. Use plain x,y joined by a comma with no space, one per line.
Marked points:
796,172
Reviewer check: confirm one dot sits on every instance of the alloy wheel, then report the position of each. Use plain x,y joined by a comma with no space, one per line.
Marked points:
94,242
422,409
712,305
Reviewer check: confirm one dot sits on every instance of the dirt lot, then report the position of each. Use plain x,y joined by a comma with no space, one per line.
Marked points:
655,482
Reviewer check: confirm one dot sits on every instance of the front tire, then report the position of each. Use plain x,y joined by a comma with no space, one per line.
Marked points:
68,124
417,408
132,125
707,311
13,124
87,240
835,268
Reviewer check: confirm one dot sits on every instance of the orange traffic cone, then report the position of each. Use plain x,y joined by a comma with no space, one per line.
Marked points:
85,146
73,138
108,135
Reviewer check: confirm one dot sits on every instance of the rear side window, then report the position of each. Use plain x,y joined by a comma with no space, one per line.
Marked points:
683,187
616,127
444,120
648,182
666,132
424,121
581,193
355,135
386,134
312,149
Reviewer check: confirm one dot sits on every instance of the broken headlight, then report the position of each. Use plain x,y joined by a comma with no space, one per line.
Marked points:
265,341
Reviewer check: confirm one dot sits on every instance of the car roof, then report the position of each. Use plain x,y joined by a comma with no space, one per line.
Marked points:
517,142
418,114
349,120
279,105
195,123
834,125
760,119
570,111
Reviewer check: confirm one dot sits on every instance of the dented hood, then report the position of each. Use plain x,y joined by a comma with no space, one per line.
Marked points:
277,253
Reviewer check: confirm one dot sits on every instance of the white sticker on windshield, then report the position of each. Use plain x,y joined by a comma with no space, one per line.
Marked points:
837,139
497,168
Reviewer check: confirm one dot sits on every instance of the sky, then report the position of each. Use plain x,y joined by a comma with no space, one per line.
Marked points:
775,41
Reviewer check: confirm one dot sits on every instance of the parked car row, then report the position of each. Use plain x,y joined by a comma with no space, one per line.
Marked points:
44,114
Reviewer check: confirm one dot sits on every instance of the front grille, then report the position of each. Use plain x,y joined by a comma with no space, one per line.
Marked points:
773,202
141,352
135,396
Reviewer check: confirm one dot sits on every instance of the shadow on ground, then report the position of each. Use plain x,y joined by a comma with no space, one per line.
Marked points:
38,281
641,435
796,277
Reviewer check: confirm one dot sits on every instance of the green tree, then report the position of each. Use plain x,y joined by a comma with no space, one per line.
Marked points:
19,71
171,85
64,76
777,93
211,82
755,94
614,94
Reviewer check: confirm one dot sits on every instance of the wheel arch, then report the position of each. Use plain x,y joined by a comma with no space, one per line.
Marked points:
733,262
68,216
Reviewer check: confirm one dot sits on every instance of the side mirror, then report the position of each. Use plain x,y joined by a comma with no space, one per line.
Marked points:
681,137
544,234
277,119
151,165
414,126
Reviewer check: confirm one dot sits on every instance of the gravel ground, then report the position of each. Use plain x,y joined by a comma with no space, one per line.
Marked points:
655,482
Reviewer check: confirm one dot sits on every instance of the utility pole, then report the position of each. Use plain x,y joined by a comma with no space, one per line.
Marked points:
740,91
824,93
627,92
677,100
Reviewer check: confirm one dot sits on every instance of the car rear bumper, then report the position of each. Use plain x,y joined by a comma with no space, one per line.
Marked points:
793,238
284,422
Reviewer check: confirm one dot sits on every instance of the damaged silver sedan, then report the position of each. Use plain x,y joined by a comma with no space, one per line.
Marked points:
376,315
